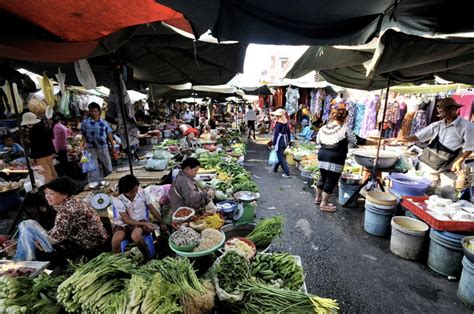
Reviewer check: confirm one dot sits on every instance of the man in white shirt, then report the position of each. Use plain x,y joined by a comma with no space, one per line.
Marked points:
451,141
188,117
250,118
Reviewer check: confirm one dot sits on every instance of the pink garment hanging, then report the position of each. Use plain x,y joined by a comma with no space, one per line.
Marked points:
466,101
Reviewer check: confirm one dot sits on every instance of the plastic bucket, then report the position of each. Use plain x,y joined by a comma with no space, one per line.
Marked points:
445,253
345,193
466,284
408,185
407,238
377,221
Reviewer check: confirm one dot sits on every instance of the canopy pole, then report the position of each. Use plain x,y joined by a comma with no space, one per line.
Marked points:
18,121
374,168
124,121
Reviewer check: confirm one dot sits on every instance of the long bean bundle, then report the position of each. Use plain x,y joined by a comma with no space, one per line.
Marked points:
261,298
266,230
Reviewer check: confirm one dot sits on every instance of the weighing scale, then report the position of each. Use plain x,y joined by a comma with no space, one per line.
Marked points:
246,210
100,201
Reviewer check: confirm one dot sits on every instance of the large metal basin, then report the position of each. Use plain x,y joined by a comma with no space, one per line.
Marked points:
365,158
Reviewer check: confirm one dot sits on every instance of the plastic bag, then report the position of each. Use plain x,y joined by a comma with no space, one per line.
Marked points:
222,294
31,234
87,162
403,164
84,74
273,158
156,164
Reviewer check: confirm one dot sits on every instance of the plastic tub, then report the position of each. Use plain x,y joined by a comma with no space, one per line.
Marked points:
408,185
408,236
445,253
382,198
466,284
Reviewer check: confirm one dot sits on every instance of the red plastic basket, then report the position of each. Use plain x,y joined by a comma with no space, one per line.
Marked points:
417,205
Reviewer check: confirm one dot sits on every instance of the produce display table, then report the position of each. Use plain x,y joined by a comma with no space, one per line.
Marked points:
416,205
143,176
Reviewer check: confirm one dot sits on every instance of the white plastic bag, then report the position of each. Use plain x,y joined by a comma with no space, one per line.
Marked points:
84,74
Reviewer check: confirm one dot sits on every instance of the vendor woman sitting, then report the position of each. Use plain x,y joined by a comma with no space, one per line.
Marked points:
184,191
77,229
189,142
131,215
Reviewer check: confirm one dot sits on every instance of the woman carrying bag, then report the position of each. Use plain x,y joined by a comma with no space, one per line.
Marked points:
281,139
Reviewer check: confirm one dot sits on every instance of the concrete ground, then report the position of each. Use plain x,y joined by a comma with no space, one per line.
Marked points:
340,259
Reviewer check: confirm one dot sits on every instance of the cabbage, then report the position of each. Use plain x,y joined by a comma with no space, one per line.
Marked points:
220,196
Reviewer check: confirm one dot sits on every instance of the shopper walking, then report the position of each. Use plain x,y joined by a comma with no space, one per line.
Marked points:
60,134
281,139
335,139
41,145
95,134
250,118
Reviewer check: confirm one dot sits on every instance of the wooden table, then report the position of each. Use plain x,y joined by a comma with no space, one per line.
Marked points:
144,176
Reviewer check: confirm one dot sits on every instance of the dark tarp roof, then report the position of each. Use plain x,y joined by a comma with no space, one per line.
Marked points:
411,58
407,58
262,90
156,54
343,67
167,92
335,22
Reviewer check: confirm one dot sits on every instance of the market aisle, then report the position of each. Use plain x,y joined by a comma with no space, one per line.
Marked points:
340,260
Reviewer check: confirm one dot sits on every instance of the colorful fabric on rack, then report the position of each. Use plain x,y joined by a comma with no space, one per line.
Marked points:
314,100
419,121
393,113
359,117
326,108
405,130
351,110
466,101
292,96
370,116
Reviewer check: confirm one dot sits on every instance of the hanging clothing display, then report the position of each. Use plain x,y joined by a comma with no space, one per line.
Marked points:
326,108
465,100
420,121
407,122
370,116
292,96
278,97
351,110
359,118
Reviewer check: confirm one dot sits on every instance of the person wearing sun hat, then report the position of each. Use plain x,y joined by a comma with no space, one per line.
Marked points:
190,142
451,141
281,139
41,145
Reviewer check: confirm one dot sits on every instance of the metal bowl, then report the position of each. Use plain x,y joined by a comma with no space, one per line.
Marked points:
232,231
93,185
246,196
365,158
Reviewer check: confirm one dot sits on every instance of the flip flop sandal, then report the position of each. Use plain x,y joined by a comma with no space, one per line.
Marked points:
328,208
317,202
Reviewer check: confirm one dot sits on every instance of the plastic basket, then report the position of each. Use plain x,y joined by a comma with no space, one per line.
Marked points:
416,205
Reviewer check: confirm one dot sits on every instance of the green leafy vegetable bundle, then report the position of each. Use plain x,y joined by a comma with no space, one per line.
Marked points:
266,230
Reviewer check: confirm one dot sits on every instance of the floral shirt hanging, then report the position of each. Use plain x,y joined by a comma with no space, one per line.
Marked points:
292,97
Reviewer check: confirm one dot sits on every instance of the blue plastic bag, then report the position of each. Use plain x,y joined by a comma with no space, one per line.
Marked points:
87,162
273,158
31,232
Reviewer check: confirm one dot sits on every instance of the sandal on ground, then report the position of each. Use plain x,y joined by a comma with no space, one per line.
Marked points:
318,201
328,208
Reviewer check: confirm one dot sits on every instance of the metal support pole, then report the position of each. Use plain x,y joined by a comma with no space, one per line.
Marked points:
124,120
374,168
18,122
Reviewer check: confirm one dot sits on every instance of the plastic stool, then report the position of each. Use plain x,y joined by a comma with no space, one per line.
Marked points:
148,240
